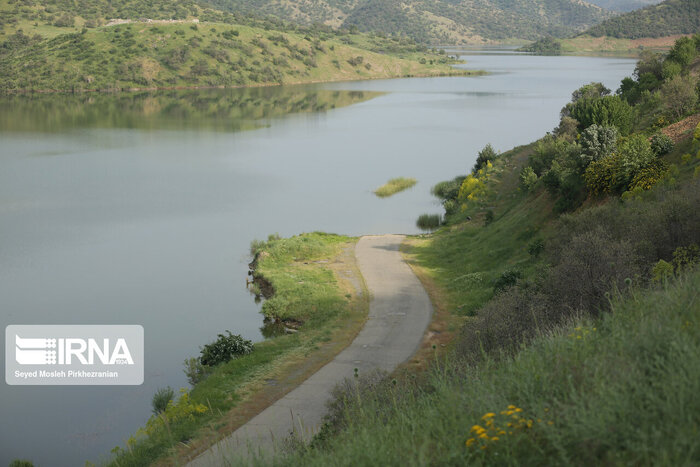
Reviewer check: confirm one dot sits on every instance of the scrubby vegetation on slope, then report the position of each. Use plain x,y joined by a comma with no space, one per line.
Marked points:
151,55
434,21
665,19
580,304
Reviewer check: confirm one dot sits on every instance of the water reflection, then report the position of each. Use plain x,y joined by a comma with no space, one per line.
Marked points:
215,109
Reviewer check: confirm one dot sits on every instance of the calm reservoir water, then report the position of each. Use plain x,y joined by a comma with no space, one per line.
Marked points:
139,208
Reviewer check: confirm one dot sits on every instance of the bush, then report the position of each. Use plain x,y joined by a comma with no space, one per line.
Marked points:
528,179
428,222
649,175
536,247
161,399
225,348
597,142
448,190
506,280
679,95
661,144
195,371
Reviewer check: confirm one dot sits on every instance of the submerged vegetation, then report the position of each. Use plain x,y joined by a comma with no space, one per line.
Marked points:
395,185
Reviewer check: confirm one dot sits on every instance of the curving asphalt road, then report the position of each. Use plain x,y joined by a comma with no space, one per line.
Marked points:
399,314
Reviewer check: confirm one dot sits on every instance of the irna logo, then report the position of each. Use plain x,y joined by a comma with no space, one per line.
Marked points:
84,354
67,351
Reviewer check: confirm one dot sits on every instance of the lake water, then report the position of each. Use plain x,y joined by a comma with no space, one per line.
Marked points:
139,209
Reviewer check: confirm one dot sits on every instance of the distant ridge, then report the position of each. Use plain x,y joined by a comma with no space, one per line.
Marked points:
665,19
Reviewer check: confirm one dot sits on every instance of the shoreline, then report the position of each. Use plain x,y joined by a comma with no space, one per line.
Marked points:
456,73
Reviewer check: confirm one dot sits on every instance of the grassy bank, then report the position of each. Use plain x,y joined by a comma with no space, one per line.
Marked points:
183,55
620,390
570,302
315,277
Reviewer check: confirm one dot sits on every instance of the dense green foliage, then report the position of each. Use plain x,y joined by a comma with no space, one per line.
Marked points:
225,348
666,19
544,46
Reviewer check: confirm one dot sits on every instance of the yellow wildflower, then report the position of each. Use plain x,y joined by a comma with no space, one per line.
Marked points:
495,438
484,436
488,415
470,441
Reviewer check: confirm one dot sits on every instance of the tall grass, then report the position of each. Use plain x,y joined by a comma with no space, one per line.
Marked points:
395,185
618,390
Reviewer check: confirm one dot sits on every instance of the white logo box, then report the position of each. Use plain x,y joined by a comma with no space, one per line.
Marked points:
83,355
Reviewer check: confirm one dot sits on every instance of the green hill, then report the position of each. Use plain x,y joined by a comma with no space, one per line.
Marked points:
436,21
428,21
665,19
176,55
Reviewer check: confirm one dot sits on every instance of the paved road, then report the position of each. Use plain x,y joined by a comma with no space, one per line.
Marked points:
399,313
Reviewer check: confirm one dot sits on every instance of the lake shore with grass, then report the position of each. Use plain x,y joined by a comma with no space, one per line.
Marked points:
317,303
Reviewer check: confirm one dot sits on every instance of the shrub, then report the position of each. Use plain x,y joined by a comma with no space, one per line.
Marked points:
634,153
506,280
536,247
661,144
195,371
448,190
572,193
679,95
528,179
684,258
597,142
588,266
649,175
662,271
428,222
21,463
161,399
225,348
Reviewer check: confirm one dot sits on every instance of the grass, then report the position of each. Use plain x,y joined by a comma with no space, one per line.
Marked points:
309,273
394,186
620,390
466,257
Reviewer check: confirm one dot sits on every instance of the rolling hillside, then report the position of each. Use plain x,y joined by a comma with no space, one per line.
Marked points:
435,21
665,19
147,55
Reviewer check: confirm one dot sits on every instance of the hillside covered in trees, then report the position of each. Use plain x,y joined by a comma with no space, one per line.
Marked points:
187,54
665,19
437,21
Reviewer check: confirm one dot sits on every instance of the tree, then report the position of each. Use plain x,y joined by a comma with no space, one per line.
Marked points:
679,95
607,110
487,154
